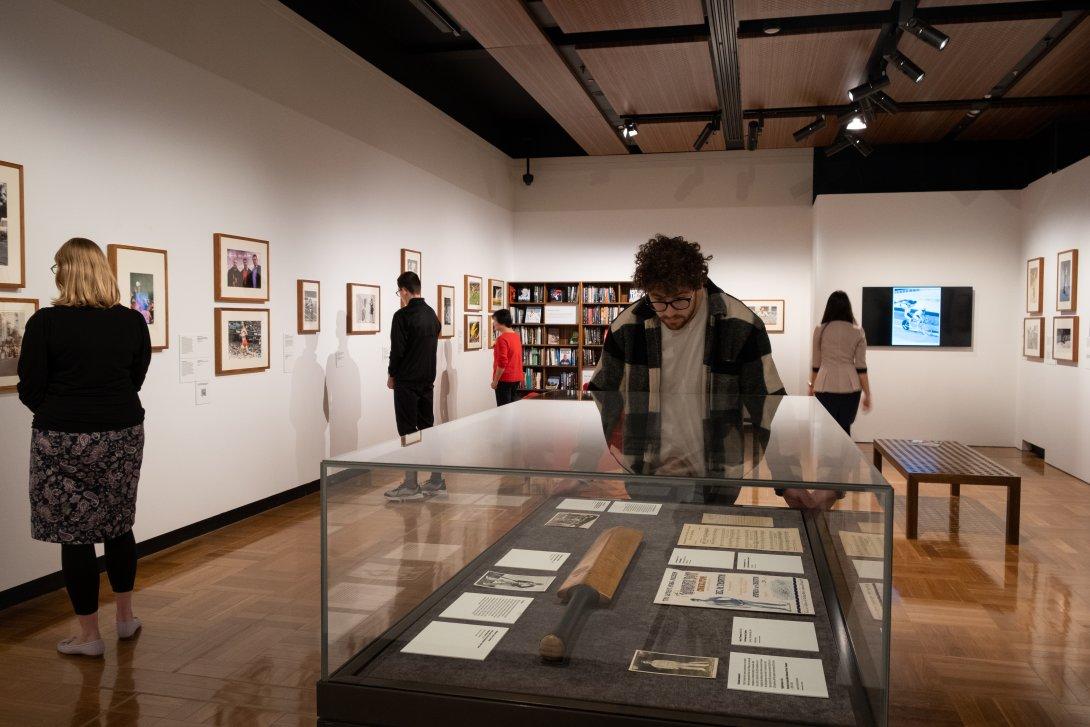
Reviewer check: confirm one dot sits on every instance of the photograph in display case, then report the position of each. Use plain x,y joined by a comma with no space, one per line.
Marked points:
495,294
445,311
242,340
474,293
242,269
141,274
364,309
1067,281
1035,290
308,306
1065,338
412,261
12,235
14,313
1033,337
770,312
473,333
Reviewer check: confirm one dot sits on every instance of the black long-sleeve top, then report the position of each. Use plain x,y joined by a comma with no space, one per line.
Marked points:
80,368
414,337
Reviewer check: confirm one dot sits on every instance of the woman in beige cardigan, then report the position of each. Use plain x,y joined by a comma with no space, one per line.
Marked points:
839,362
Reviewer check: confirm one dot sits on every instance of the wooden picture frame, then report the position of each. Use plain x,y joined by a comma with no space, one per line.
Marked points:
412,260
771,311
444,310
1033,338
1067,281
12,227
1069,351
497,295
14,314
231,284
234,344
136,270
308,307
491,332
1035,288
472,334
474,294
364,309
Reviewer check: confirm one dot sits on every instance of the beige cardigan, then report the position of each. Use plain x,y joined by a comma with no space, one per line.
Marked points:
839,356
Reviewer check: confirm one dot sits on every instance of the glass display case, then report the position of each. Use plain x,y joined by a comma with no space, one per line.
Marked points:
616,560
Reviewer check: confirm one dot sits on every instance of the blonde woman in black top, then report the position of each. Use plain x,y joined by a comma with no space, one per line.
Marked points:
83,360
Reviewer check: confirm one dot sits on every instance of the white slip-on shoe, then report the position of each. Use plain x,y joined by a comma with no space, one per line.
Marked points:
128,629
89,648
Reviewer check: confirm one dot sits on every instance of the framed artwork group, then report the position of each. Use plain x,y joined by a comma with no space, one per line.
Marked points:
364,309
14,313
1065,327
241,269
141,274
12,230
445,310
242,340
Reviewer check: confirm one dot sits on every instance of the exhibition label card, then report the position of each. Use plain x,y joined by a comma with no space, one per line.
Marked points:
514,582
572,520
575,503
457,641
868,569
675,665
768,633
691,557
774,563
873,527
785,540
532,559
872,594
736,591
776,675
487,607
627,507
753,521
862,545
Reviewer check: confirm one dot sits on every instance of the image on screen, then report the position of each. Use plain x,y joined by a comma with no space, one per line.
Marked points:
916,316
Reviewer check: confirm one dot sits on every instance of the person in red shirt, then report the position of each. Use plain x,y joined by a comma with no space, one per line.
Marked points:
506,359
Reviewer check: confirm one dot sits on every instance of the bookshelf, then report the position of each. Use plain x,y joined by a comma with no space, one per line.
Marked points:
563,325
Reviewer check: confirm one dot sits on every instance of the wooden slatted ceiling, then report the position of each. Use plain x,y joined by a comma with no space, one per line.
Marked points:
803,70
1064,71
777,133
584,16
755,9
911,128
1019,123
651,79
675,137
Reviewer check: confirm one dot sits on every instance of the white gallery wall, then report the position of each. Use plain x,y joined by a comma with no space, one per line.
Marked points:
126,143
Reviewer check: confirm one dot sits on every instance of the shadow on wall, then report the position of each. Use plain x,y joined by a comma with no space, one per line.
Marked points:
343,400
308,416
448,385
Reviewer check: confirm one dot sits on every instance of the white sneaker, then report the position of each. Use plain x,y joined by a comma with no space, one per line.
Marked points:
127,629
89,648
404,493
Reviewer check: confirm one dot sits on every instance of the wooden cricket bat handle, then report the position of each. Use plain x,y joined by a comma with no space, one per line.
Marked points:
554,647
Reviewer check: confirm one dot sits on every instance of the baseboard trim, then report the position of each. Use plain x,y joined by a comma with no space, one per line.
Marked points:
48,583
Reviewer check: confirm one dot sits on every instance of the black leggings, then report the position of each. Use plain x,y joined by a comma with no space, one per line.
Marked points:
80,568
843,407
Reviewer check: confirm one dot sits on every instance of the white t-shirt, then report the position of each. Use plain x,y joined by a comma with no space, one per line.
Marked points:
682,383
683,354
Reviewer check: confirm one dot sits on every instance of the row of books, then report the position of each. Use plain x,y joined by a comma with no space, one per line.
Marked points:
543,294
567,381
548,357
529,315
595,294
594,336
591,356
551,336
600,316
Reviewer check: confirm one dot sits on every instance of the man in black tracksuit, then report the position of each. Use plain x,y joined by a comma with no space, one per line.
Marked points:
414,337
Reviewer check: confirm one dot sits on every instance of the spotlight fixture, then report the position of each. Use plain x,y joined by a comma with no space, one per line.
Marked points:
905,65
866,89
857,123
883,101
814,126
928,34
771,29
842,144
755,128
861,146
709,128
629,130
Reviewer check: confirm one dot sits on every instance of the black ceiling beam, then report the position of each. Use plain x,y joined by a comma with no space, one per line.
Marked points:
628,37
674,118
916,106
876,19
723,44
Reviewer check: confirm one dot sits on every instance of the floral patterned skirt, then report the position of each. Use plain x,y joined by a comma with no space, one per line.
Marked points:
83,486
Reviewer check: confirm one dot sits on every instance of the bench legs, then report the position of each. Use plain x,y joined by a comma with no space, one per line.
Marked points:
1014,499
912,508
955,490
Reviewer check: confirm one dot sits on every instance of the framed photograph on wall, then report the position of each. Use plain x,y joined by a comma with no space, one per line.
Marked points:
473,333
412,261
242,340
242,269
12,232
491,332
1065,338
474,293
1033,337
445,310
1035,290
364,309
771,312
496,295
308,306
141,274
1067,281
14,313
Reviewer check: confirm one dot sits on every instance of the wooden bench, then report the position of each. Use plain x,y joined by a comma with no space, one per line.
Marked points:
947,462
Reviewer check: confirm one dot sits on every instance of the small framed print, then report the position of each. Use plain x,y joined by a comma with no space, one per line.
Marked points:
1035,291
308,306
242,269
141,274
412,261
364,309
12,227
1067,281
242,340
474,294
496,296
14,313
491,332
1033,337
473,333
445,311
771,313
1065,339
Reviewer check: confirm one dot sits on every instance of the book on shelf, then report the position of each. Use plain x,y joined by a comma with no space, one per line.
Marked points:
563,293
531,357
599,294
587,375
559,357
600,316
631,294
531,314
552,336
531,380
593,336
530,336
591,356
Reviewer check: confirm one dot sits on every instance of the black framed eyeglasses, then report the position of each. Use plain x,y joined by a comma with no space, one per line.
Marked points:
53,268
682,303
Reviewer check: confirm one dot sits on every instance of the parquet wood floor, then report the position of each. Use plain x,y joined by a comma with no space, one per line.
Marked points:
983,633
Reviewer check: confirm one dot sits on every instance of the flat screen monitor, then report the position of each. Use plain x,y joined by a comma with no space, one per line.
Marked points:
927,316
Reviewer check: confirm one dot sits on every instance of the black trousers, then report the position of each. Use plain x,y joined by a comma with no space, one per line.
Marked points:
413,407
506,392
80,568
842,407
